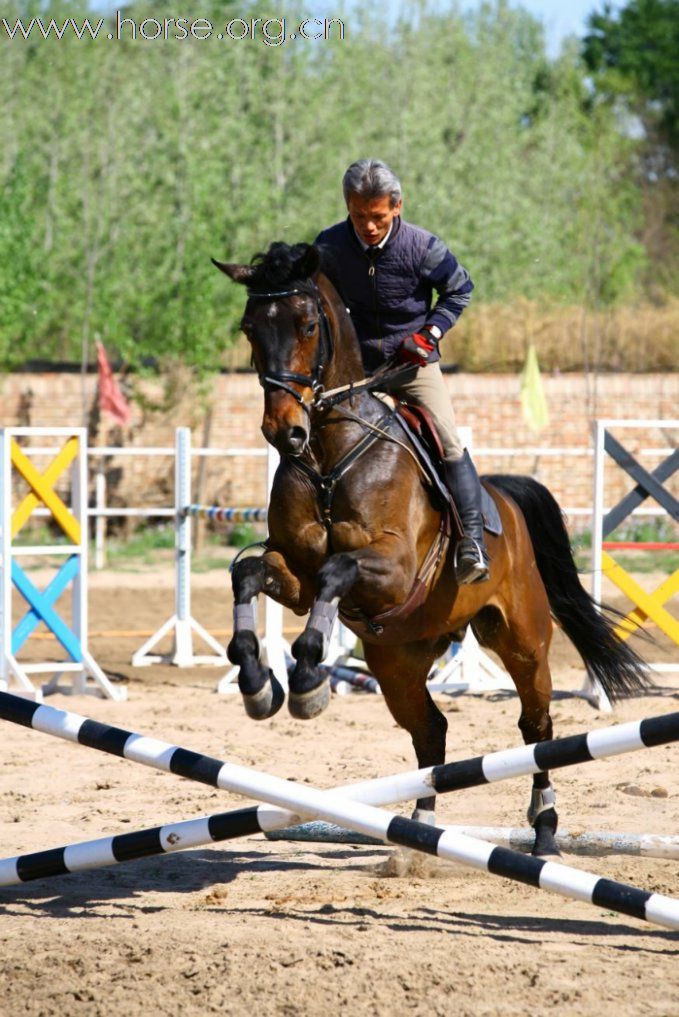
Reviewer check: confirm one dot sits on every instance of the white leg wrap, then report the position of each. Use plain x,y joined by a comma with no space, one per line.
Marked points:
322,619
245,616
424,816
540,800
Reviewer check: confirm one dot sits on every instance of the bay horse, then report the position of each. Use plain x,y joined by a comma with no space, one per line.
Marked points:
353,528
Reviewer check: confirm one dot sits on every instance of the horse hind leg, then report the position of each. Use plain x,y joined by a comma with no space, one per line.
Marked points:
523,645
262,693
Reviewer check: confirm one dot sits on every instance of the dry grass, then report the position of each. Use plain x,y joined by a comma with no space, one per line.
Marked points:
494,337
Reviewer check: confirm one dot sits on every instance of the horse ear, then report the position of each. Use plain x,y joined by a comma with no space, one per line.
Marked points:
239,273
308,263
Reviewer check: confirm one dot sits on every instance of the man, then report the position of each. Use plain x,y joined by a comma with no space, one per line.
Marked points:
386,270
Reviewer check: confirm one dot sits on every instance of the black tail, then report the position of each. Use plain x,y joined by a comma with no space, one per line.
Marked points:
619,670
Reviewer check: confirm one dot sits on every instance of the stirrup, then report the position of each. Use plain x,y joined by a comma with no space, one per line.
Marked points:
471,570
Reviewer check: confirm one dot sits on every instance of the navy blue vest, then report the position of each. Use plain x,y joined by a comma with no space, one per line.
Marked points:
383,288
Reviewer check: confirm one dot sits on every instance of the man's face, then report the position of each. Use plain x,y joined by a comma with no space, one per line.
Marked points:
372,217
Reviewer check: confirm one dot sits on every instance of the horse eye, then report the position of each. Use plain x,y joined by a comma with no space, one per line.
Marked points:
309,329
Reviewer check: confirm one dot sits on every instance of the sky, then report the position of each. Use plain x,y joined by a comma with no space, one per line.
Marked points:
560,17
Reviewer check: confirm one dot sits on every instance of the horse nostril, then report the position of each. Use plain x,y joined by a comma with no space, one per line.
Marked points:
297,439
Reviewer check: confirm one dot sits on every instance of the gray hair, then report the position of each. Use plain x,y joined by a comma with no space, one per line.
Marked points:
371,178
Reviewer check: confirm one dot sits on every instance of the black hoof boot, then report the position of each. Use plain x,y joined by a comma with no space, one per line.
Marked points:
267,702
262,693
307,702
545,827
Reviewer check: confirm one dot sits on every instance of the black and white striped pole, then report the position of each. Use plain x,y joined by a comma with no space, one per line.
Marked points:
520,761
267,819
332,807
127,847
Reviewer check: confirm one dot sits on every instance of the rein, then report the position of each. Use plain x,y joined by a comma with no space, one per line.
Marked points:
386,374
322,399
324,484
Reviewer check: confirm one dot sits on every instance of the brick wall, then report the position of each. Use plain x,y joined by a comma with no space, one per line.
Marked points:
487,403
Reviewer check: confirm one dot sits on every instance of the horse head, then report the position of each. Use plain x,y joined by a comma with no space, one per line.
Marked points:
287,326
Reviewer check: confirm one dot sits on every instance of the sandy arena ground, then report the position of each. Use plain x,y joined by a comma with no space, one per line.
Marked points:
288,929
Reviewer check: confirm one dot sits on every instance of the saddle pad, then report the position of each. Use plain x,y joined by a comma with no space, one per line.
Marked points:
491,516
419,427
430,467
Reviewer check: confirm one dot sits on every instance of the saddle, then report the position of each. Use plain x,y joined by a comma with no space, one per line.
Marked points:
419,427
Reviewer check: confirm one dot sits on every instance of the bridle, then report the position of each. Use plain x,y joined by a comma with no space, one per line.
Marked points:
282,379
321,399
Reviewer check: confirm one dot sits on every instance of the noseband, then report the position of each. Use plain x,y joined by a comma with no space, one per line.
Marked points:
281,379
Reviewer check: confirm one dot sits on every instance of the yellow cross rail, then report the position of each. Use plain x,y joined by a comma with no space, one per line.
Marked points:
42,488
648,605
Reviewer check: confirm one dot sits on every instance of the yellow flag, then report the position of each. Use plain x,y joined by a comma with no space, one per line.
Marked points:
532,395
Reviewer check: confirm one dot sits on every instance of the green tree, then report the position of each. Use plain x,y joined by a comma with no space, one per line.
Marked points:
125,165
632,56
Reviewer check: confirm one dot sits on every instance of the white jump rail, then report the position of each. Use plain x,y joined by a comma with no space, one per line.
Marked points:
100,511
181,625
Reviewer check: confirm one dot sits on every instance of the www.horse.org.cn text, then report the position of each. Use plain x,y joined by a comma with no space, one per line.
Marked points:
270,31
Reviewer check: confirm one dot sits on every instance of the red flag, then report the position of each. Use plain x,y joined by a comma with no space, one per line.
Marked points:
111,399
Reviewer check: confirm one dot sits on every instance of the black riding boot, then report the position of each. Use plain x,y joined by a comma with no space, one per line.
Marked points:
471,557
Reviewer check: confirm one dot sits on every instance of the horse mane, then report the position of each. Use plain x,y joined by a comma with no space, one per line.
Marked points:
282,266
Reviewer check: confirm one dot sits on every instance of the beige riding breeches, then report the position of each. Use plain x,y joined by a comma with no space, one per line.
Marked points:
425,386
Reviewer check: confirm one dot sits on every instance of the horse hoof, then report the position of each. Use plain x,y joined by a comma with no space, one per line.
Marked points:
545,847
307,705
267,702
545,844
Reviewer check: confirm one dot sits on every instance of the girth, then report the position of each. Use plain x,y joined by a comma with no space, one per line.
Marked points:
364,626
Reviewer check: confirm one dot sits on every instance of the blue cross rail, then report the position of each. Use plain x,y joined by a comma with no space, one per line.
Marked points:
41,607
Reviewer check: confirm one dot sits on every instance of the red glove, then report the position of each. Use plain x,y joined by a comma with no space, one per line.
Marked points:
415,348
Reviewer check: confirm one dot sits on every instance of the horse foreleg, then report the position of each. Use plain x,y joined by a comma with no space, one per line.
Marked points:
402,673
309,686
262,693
